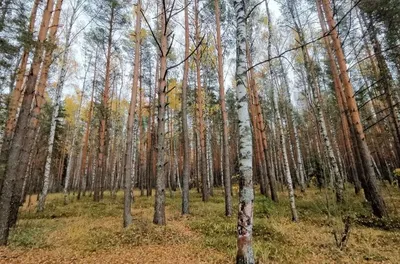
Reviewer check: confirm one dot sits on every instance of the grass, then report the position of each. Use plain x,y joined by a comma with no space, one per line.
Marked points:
88,232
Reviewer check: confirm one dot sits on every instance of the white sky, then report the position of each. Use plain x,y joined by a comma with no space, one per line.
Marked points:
77,53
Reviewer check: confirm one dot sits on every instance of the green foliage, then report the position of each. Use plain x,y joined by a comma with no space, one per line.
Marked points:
88,228
32,234
13,36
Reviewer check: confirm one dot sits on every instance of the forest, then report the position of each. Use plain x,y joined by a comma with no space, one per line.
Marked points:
199,131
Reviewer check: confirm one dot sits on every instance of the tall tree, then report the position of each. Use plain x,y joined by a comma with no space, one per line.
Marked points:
16,94
245,253
371,189
129,128
224,114
159,206
26,125
59,88
200,104
184,109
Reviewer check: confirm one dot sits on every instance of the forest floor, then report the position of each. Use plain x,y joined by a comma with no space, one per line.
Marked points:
88,232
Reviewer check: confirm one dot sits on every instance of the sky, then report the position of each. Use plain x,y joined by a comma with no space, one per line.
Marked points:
84,22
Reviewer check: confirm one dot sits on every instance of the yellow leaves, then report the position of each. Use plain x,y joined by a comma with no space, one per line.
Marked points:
71,104
143,35
174,89
264,20
213,109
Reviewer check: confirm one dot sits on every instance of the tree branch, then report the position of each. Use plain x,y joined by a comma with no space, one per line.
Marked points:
190,55
309,42
151,30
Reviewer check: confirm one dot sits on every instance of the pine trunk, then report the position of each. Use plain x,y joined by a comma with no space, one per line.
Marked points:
371,188
224,114
16,95
103,150
10,189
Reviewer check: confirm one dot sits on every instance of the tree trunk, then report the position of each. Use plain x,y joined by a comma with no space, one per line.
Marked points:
246,193
199,109
224,114
53,125
71,154
131,117
185,129
315,90
286,167
159,207
87,132
371,187
102,156
258,159
341,104
298,161
16,95
25,125
39,102
387,84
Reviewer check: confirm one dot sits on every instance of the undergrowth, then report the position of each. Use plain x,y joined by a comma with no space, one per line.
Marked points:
85,227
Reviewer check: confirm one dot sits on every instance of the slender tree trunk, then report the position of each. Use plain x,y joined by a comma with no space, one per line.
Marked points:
11,189
159,207
258,158
53,125
131,117
185,129
387,84
87,131
210,166
29,135
199,109
315,90
271,170
103,150
299,157
372,190
142,157
286,167
341,104
16,95
246,193
71,154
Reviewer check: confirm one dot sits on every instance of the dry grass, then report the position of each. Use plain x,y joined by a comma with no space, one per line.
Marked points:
88,232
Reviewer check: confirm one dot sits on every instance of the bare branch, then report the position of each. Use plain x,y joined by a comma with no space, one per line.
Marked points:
309,42
190,55
151,30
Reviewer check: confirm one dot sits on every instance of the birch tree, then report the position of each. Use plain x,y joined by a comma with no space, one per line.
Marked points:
129,129
59,88
245,253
